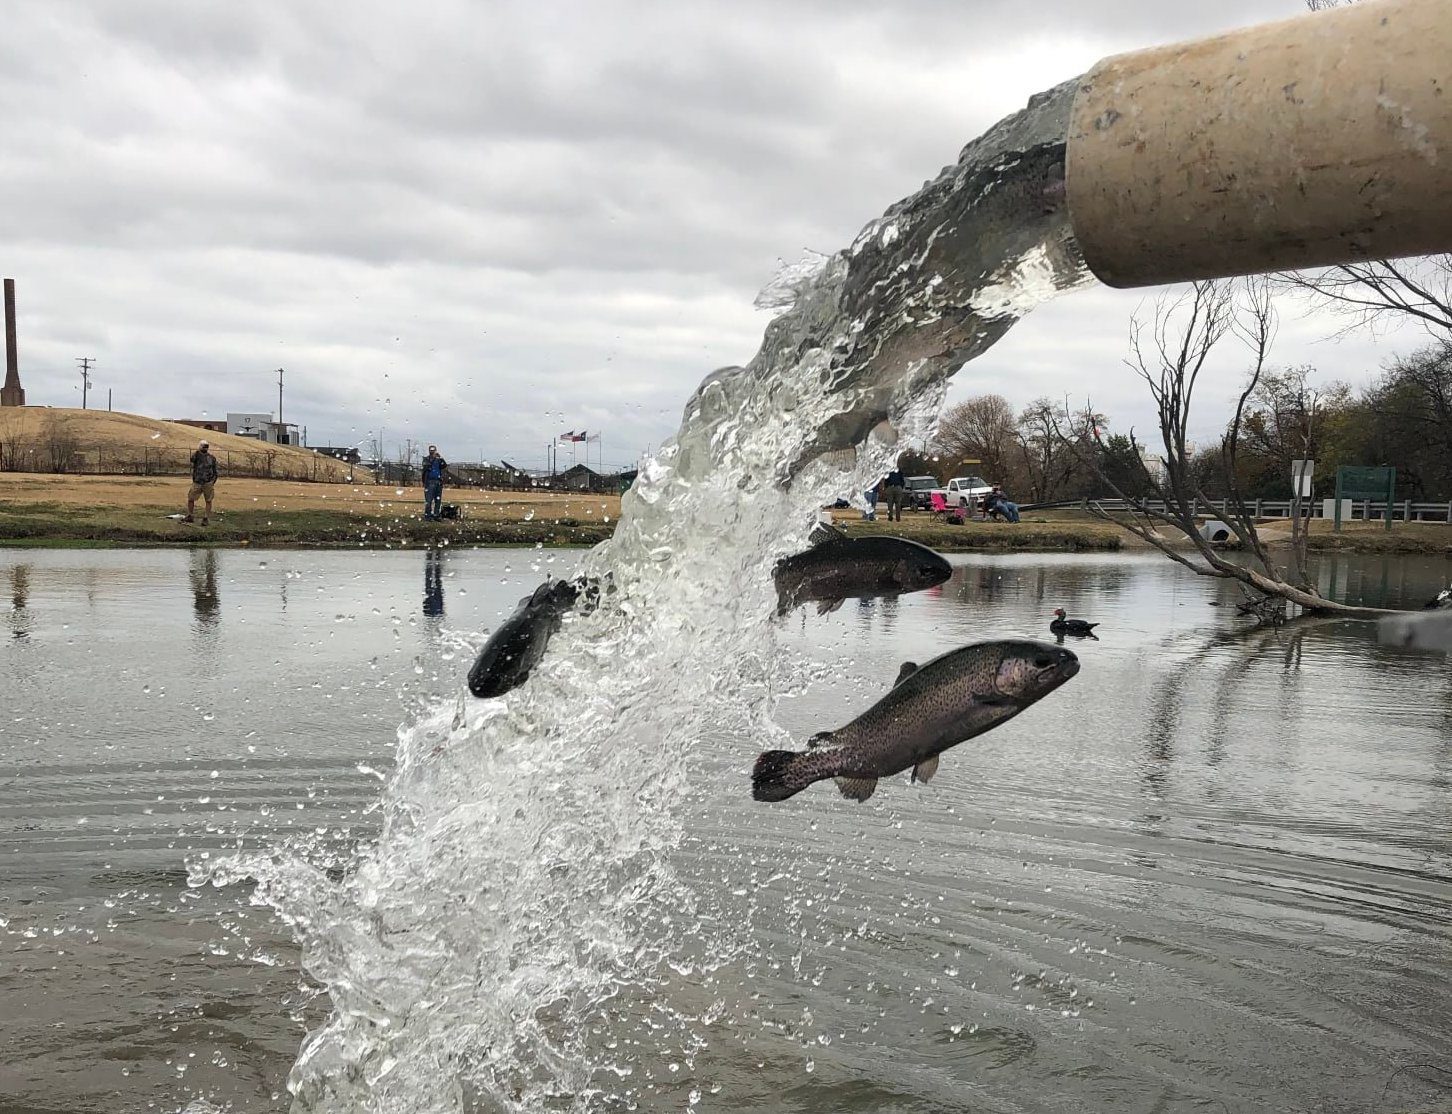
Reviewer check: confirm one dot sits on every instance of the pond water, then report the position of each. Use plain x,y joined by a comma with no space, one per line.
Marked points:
1213,872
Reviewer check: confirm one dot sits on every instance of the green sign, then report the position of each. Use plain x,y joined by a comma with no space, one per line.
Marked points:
1365,483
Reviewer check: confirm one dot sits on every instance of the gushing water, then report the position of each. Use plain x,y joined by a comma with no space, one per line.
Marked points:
520,895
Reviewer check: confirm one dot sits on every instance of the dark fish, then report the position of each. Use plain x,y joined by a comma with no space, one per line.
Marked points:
1442,599
519,643
954,697
837,567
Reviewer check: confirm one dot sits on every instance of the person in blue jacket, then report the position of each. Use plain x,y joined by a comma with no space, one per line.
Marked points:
434,467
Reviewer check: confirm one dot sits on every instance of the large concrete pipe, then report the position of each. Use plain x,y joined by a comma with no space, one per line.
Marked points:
1317,140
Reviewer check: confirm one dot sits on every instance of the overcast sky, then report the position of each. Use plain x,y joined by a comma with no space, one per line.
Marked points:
484,224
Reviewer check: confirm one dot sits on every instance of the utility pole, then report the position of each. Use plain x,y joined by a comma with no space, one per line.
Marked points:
279,396
85,362
108,400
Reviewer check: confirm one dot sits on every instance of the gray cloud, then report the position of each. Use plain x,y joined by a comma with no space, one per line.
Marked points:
483,223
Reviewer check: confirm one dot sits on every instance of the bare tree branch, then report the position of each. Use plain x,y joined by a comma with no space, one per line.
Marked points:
1185,332
1380,292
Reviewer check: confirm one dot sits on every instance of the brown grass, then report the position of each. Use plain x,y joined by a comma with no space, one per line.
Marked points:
168,493
131,510
1366,537
104,438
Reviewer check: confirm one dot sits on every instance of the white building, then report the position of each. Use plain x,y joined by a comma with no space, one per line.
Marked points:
250,425
263,428
1153,463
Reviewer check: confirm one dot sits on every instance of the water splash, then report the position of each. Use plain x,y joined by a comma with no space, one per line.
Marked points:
507,942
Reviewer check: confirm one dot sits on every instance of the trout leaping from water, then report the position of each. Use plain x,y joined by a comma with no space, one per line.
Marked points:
837,567
954,697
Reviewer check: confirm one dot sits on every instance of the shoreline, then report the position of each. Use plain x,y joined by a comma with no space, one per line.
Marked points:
293,530
46,511
39,511
1076,531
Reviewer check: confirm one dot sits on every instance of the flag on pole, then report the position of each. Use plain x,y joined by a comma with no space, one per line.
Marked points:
592,437
573,436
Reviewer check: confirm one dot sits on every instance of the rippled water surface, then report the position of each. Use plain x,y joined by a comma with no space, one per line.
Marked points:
1212,872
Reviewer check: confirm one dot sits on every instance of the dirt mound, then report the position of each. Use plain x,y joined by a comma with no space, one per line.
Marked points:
60,439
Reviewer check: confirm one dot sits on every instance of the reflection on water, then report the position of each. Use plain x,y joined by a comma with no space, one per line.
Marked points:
206,601
1215,875
1384,580
433,603
19,598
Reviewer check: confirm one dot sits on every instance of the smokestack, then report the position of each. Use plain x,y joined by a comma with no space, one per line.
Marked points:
11,394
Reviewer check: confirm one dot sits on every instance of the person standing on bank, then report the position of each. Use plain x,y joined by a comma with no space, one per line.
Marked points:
204,482
434,467
894,486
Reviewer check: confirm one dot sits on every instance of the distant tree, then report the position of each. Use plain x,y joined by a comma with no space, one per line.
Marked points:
982,430
1287,417
1410,420
11,440
1124,467
60,442
1054,445
911,462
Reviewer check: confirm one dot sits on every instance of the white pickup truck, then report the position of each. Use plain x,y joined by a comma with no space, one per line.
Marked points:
966,491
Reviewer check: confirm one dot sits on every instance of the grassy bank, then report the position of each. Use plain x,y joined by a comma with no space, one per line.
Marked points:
131,511
1075,531
1432,539
1063,532
50,510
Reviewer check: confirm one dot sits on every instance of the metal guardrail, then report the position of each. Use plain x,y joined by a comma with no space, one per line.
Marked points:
1404,510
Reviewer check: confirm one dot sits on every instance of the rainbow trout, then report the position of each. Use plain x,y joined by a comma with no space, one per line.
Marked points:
518,645
837,567
963,693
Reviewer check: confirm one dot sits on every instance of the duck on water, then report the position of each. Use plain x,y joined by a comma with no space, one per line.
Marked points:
1063,625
